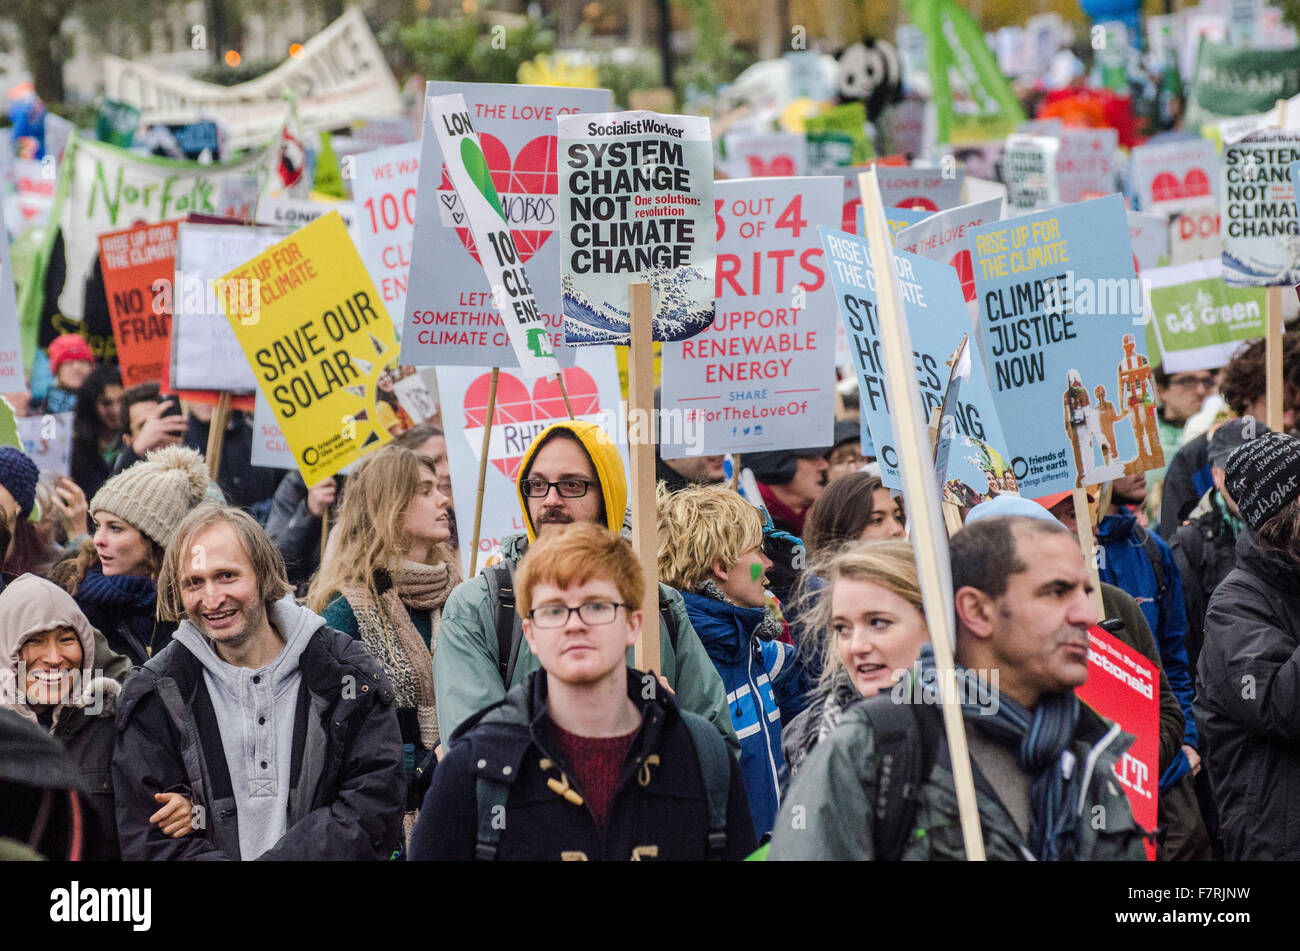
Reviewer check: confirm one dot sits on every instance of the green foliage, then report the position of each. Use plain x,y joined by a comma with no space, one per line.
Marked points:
714,58
1290,11
622,78
463,48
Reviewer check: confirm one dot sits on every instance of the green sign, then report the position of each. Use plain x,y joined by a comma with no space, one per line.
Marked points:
116,123
1196,320
849,120
1235,81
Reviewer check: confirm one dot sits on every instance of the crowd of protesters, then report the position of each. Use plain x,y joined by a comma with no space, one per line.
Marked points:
251,667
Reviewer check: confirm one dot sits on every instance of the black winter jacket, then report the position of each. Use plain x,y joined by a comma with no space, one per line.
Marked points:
1204,550
348,785
1249,704
658,810
88,736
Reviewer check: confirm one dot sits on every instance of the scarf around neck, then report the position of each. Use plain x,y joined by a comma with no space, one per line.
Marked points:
768,629
136,592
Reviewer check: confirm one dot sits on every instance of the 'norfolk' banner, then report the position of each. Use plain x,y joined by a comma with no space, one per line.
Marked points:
1060,311
636,205
937,320
319,341
763,375
498,254
1196,319
1261,234
449,317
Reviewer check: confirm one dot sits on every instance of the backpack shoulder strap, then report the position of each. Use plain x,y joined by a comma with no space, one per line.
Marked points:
1157,560
491,795
669,616
501,594
715,768
905,739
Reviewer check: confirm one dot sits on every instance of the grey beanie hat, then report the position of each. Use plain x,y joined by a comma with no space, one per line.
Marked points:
155,494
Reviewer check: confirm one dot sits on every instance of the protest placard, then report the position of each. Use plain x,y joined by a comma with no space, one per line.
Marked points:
937,320
132,261
523,409
237,197
11,352
1174,176
293,213
322,347
944,237
1149,235
1030,169
1196,319
384,190
927,189
848,119
478,201
1124,687
205,353
763,375
1059,310
1085,165
1237,82
270,448
47,440
636,205
765,154
1194,235
1261,234
449,317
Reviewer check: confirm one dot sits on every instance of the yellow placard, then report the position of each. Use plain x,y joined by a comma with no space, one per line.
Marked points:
315,331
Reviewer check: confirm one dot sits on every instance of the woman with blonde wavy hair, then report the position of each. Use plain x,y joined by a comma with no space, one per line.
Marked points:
874,624
385,579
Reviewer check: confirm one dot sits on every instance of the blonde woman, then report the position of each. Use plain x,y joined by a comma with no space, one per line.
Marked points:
385,579
874,628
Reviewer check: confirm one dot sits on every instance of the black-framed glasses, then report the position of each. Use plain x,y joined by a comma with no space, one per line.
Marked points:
568,488
1193,381
557,615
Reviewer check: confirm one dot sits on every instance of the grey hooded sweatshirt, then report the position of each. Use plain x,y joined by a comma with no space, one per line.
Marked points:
255,714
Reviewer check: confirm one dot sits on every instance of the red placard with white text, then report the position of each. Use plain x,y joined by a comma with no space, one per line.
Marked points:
131,261
383,191
1124,687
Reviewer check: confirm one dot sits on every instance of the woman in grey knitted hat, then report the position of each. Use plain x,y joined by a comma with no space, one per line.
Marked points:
113,578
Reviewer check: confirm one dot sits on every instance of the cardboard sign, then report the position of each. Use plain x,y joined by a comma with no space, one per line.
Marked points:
523,409
206,354
47,440
1149,235
384,191
762,155
763,375
320,343
1174,176
1124,687
937,320
292,213
1197,320
848,119
450,318
481,206
237,197
11,350
944,237
1030,170
927,189
636,205
1059,304
1260,227
132,262
1194,235
1085,166
270,448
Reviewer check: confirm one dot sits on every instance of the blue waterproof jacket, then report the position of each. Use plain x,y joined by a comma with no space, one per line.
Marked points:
761,681
1128,567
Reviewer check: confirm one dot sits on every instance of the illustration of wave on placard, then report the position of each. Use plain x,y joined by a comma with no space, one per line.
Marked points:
680,313
1243,272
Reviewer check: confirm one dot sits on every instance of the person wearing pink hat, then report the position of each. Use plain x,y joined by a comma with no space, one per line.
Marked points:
71,361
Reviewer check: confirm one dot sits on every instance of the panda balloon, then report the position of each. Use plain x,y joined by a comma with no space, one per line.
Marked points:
870,72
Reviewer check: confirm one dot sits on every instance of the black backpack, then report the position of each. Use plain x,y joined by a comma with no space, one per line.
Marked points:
907,738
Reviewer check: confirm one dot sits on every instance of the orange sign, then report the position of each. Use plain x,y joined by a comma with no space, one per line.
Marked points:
132,260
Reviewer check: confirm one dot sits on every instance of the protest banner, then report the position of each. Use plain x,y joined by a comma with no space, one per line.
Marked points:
1149,235
928,189
449,317
339,75
938,321
523,409
382,132
206,353
1197,320
847,119
852,209
1030,168
762,376
293,213
384,190
943,237
636,205
315,333
1230,81
916,458
47,441
132,262
237,197
33,198
897,219
116,123
1086,166
11,354
1261,234
1174,176
766,154
499,256
270,448
1194,235
1124,687
1059,301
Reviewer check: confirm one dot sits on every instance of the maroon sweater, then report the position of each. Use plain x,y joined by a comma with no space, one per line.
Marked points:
597,764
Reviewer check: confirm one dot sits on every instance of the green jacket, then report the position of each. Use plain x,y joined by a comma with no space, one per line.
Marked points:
466,677
840,777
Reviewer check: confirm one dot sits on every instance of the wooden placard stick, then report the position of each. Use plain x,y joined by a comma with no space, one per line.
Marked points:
217,433
641,449
1273,390
482,468
1088,542
925,518
559,377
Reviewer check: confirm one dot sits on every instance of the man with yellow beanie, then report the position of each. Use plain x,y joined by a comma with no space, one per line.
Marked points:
571,472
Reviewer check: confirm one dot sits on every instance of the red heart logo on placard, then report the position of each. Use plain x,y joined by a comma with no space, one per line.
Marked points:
965,273
534,171
849,222
1167,187
515,405
1195,183
917,202
780,166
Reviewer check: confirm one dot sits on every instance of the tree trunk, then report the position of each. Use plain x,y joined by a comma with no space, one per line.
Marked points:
38,25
